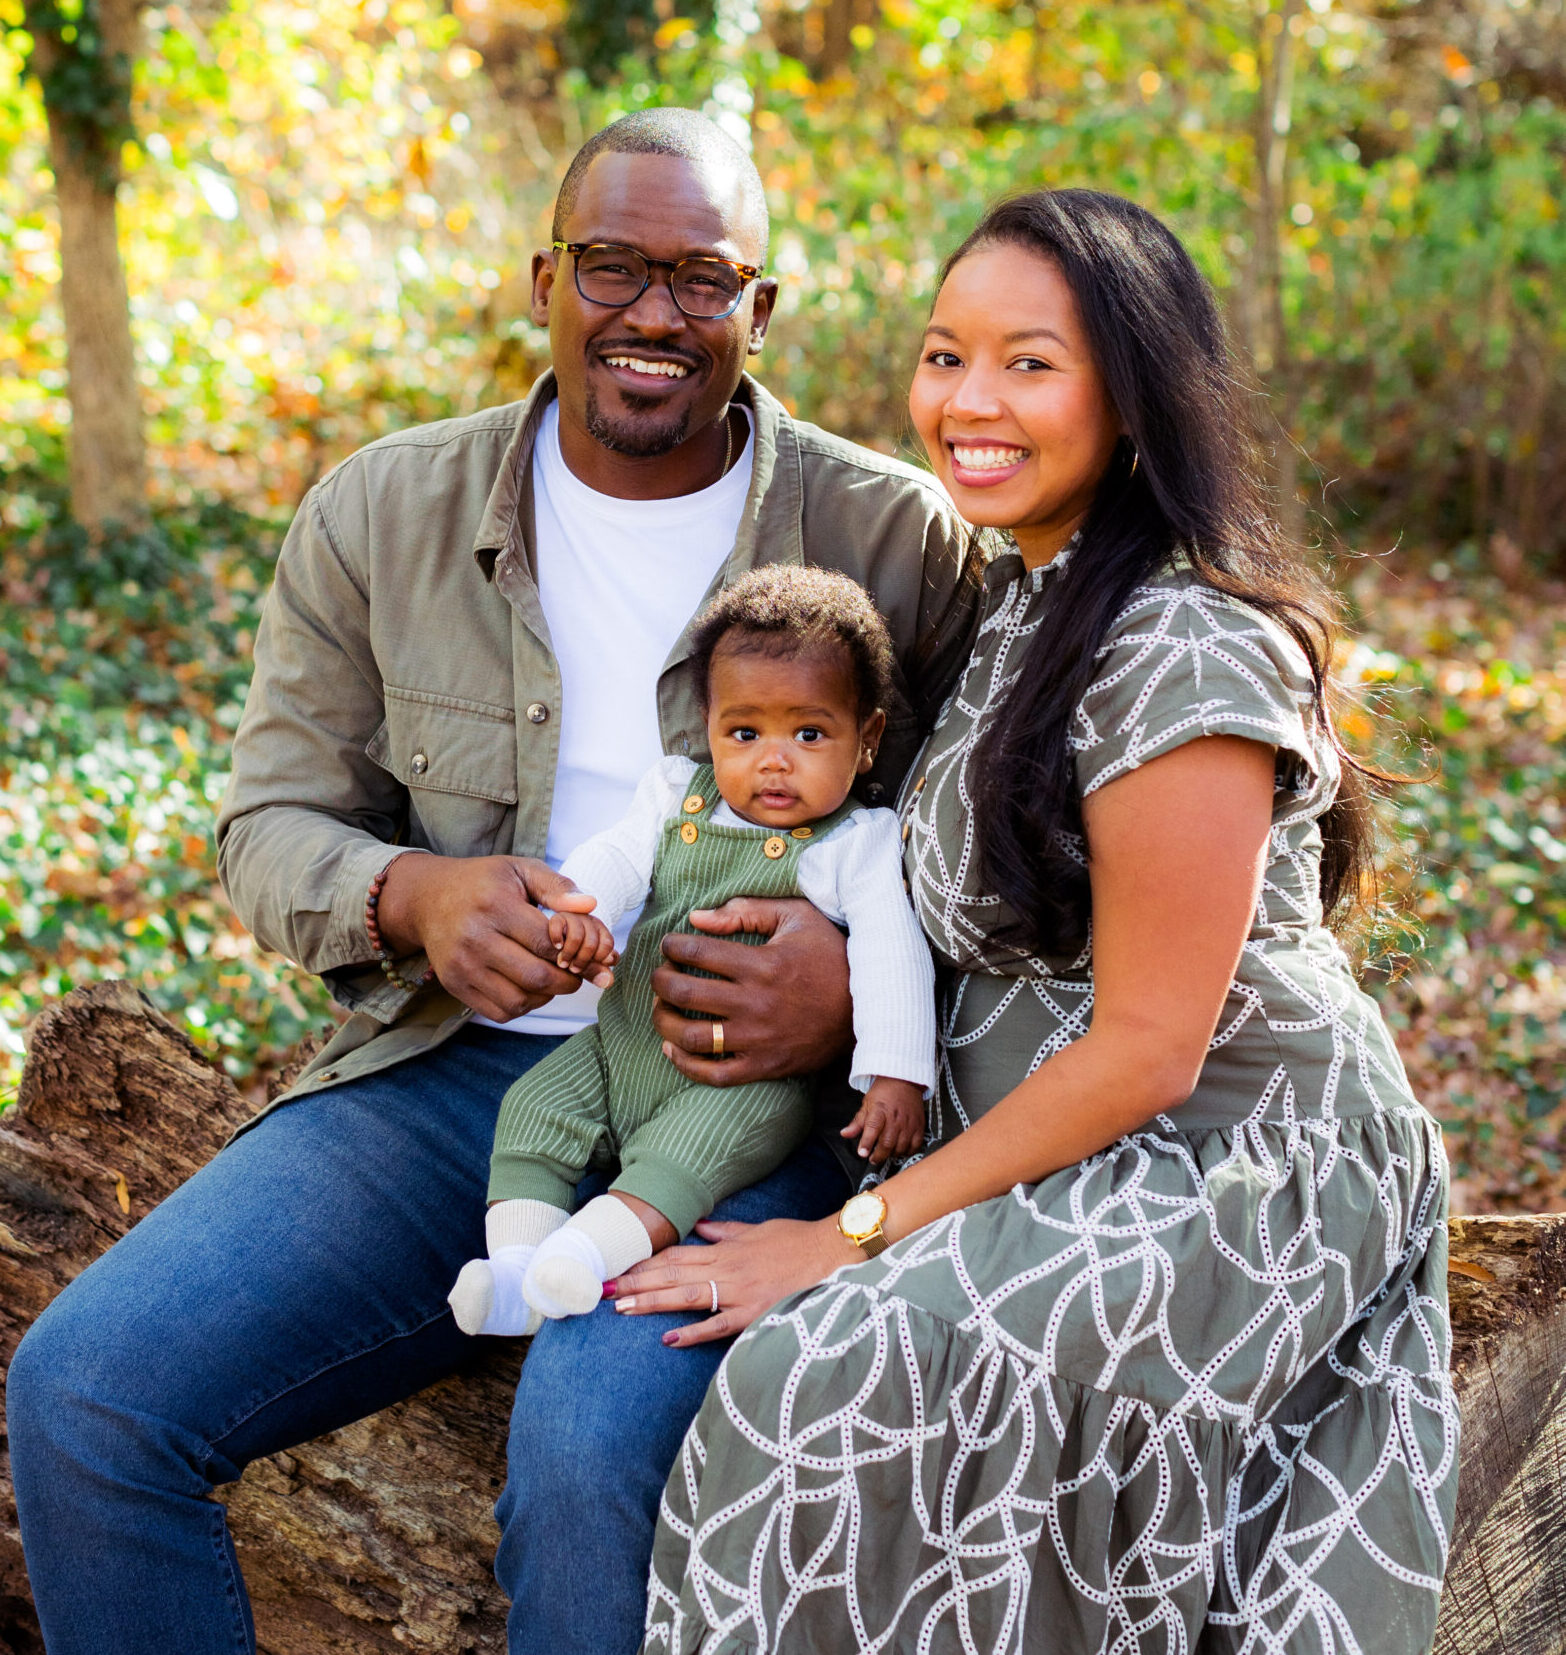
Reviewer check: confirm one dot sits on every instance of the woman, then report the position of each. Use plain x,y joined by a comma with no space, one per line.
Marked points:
1157,1357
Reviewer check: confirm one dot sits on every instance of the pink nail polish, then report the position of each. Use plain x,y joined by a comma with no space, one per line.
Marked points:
609,1289
669,1338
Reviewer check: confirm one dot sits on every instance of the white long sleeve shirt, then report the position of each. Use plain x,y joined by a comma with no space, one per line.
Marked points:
854,875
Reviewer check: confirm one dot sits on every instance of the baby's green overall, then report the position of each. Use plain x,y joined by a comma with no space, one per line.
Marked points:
610,1093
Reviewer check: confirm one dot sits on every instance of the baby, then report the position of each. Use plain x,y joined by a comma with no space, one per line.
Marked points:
795,668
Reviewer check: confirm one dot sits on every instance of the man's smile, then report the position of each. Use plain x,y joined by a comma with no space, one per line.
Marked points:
644,372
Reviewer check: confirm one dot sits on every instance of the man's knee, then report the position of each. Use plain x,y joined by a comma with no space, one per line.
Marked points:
56,1399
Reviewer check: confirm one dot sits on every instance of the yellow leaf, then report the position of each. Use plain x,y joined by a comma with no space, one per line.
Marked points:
122,1192
675,29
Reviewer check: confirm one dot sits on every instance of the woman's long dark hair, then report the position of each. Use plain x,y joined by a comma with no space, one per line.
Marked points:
1186,477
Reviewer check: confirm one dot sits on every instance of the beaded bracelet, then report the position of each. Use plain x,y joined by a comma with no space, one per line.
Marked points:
387,964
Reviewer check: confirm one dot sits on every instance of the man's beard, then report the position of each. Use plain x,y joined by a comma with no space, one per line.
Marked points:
636,441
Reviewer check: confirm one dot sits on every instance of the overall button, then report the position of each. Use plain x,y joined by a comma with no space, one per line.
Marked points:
420,764
774,847
801,833
689,834
537,712
693,804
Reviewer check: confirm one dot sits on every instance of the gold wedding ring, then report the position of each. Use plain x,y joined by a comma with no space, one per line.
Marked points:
717,1040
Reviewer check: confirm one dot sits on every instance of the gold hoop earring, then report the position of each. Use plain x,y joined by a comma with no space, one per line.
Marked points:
1135,459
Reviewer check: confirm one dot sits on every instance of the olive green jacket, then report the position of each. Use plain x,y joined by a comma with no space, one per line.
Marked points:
405,690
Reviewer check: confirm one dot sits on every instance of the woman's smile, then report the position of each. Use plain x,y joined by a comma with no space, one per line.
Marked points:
984,464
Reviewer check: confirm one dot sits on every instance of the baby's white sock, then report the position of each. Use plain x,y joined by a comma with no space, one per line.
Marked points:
568,1272
487,1297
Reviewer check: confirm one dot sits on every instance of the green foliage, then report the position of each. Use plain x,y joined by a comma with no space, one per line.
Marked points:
1478,863
600,34
124,676
86,85
328,221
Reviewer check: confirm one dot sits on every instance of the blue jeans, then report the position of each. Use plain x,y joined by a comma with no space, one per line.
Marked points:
298,1282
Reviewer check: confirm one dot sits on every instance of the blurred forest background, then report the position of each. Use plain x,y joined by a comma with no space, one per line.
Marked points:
325,215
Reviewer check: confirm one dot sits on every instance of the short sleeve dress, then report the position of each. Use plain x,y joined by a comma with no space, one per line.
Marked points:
1188,1395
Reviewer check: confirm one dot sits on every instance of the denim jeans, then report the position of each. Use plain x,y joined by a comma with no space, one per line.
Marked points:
298,1282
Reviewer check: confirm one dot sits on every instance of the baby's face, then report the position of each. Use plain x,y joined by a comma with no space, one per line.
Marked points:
786,736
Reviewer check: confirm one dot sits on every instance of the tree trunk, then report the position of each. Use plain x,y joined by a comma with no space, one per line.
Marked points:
108,451
378,1537
1268,325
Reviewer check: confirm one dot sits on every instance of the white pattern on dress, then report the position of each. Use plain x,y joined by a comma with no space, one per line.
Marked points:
1188,1395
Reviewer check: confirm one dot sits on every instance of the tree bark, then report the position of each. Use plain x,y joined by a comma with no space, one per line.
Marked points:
108,449
379,1537
1506,1578
1267,322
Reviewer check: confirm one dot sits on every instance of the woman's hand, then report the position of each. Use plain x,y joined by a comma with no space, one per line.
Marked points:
752,1266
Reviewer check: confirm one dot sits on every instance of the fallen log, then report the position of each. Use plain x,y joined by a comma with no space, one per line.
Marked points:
379,1536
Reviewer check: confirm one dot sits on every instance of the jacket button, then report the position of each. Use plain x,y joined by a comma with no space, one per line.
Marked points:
420,763
537,712
875,792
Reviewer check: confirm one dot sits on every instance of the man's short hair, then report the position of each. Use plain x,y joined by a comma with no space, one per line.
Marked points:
678,132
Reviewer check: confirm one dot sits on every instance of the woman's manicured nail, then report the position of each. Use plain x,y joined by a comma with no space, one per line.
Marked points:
609,1289
624,1304
670,1338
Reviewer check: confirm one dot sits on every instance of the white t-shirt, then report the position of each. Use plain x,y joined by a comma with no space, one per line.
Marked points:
619,580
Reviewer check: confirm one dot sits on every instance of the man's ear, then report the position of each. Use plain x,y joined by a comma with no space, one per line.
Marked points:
543,285
762,300
870,733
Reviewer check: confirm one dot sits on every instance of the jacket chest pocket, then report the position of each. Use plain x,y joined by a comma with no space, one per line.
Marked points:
458,761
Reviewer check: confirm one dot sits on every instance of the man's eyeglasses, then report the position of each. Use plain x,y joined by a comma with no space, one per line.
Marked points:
706,288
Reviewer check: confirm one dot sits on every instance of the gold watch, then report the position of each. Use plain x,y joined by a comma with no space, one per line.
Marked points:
861,1222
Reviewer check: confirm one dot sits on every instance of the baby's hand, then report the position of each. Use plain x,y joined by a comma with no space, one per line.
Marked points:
583,945
890,1120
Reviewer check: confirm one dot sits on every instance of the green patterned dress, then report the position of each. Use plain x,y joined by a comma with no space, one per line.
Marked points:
1189,1395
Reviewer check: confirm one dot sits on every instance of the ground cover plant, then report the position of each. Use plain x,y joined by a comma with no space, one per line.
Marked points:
326,215
124,679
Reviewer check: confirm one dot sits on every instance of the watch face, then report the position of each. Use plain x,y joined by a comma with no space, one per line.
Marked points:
862,1214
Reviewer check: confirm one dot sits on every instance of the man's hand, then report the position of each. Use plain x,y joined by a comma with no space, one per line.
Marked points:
477,918
890,1120
784,1006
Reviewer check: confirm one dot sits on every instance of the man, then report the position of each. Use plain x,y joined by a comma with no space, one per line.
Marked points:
474,646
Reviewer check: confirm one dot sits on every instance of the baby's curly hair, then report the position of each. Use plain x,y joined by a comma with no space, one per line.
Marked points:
787,610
